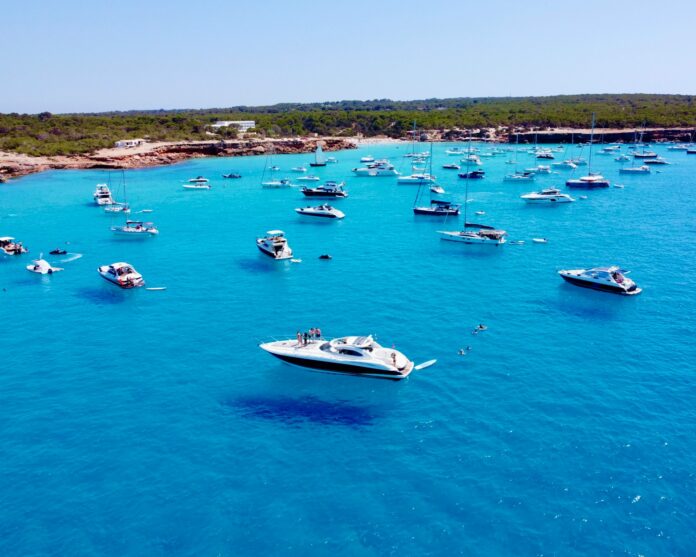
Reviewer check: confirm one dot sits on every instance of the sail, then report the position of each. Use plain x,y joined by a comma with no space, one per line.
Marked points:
319,156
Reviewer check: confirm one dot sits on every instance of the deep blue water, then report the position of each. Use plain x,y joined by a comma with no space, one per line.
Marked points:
149,423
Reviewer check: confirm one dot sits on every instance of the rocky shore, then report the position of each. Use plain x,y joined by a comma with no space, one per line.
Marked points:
13,165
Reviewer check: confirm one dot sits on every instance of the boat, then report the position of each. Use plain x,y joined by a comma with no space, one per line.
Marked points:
438,208
298,169
456,151
102,195
691,151
377,168
635,170
657,160
308,178
564,165
42,267
548,195
437,189
540,240
544,155
322,211
416,179
326,190
232,175
319,159
355,355
367,159
471,159
472,175
519,176
678,147
58,251
275,245
274,168
122,275
277,184
331,160
136,229
645,155
593,180
608,279
118,207
451,166
622,158
198,183
579,161
539,169
10,246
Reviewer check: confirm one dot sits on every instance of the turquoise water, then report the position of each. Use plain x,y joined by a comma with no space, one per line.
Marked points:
149,423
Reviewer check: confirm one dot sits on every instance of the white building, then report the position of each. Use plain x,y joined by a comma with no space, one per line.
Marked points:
242,125
129,142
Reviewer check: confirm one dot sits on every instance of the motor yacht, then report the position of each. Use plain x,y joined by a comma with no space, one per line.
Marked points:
657,160
298,169
309,178
357,355
479,234
122,275
117,207
326,190
377,168
635,170
608,279
519,176
42,267
438,208
548,195
545,155
135,229
564,165
472,175
277,184
275,245
452,166
321,211
416,179
10,246
198,183
593,181
645,155
102,195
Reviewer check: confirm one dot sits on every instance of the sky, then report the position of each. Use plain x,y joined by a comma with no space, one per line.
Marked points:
88,56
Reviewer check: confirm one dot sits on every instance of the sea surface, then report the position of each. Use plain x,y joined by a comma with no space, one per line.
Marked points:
150,423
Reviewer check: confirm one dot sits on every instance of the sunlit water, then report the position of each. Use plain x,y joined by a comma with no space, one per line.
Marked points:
149,423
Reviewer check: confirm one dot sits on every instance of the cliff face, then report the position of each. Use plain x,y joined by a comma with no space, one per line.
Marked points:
13,165
602,135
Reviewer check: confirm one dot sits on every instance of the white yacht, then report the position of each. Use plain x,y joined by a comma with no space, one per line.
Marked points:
299,169
357,355
635,170
416,179
609,279
122,275
42,267
579,161
656,160
456,151
544,154
277,184
309,178
471,160
593,181
377,168
328,190
135,229
565,165
622,158
102,195
479,234
322,211
519,177
198,183
117,207
539,169
275,245
10,246
548,195
331,160
367,159
645,154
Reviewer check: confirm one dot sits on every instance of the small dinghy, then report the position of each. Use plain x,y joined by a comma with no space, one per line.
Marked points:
325,256
42,267
540,240
480,213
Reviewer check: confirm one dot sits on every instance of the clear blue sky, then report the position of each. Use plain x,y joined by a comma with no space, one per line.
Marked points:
72,56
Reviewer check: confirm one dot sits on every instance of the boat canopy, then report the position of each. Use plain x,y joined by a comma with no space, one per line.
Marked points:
7,239
275,233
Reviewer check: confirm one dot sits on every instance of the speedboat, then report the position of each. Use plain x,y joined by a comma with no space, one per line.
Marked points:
377,168
102,195
416,179
454,151
519,176
472,159
593,181
367,158
678,147
277,184
480,234
299,169
121,274
42,267
117,207
327,190
452,166
198,183
548,195
232,175
635,170
566,165
657,160
309,178
438,208
10,246
579,161
357,355
472,174
609,279
135,229
437,189
322,211
275,245
645,155
58,251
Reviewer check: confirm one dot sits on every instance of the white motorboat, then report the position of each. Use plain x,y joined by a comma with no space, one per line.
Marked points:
479,234
437,189
519,177
327,190
122,275
540,169
377,168
102,195
309,178
298,169
545,154
275,245
456,151
10,246
367,159
548,195
679,147
645,155
471,160
579,161
42,267
564,165
198,183
622,158
416,179
117,207
277,184
331,160
322,211
135,229
656,160
635,170
608,279
452,166
356,355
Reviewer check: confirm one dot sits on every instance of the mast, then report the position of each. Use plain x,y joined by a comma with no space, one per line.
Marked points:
589,162
466,184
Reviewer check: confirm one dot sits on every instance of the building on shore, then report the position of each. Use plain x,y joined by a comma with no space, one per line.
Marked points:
241,125
129,142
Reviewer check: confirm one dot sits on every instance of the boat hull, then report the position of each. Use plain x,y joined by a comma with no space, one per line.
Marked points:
582,185
466,239
606,287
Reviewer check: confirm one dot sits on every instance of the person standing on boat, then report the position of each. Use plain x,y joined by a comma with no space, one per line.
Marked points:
317,332
299,338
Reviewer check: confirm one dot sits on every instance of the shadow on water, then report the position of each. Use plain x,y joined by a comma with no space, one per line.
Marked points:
259,264
586,303
295,411
103,296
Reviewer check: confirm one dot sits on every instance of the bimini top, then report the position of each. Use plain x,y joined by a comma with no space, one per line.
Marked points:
6,239
275,233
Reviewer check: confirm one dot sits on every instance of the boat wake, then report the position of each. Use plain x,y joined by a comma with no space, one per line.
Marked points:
73,257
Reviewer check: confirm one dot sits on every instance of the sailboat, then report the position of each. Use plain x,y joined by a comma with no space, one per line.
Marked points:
437,207
473,233
633,169
271,182
518,176
118,206
319,159
593,180
133,228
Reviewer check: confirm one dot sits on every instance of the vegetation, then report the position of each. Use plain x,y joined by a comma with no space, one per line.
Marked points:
47,134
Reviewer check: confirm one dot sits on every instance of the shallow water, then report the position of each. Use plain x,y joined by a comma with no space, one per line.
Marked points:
149,423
